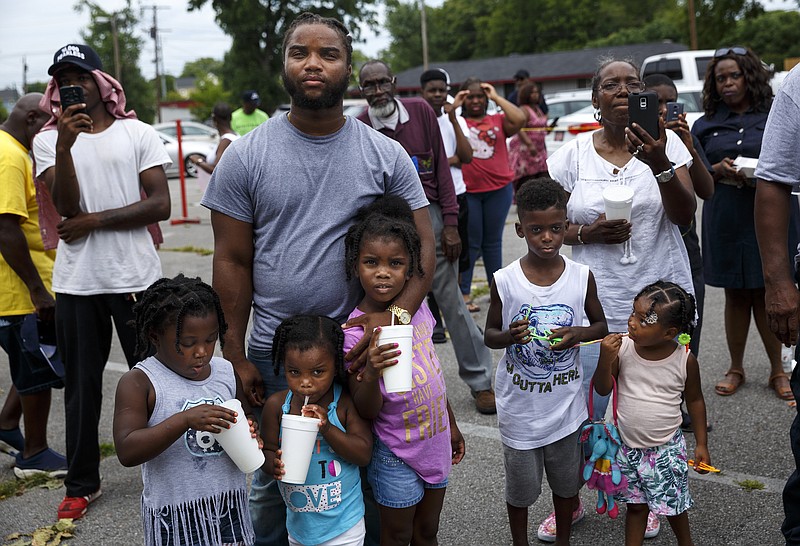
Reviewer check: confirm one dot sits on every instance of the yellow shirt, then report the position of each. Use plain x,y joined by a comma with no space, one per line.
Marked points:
18,197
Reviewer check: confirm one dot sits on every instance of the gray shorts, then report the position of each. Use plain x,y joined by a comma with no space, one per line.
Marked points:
524,469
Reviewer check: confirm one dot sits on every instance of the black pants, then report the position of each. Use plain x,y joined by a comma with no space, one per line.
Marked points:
791,493
83,328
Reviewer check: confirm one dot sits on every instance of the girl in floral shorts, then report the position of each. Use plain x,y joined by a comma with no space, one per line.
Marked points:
652,371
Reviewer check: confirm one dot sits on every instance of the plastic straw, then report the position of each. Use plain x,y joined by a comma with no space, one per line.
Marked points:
306,402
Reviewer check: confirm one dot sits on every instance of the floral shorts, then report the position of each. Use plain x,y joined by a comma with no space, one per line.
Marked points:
657,476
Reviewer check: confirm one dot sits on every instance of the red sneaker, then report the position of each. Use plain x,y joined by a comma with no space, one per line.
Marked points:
76,507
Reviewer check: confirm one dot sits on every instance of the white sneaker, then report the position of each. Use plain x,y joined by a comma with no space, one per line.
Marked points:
653,526
547,529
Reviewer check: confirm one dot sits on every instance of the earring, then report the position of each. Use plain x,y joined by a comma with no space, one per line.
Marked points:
597,117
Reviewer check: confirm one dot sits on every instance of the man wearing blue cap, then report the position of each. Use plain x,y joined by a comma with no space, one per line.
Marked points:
26,269
248,117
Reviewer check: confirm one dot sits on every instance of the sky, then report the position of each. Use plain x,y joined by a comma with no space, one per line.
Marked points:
35,29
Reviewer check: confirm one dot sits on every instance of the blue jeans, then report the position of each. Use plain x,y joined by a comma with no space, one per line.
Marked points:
267,509
487,219
30,372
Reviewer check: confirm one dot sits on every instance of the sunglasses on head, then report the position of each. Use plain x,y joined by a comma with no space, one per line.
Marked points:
736,50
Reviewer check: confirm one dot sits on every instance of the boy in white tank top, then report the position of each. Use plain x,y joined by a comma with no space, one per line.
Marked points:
539,305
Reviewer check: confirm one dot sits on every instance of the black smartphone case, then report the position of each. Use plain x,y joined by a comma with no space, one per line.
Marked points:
71,94
674,110
643,110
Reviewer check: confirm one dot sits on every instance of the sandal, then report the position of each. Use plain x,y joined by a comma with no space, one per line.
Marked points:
471,306
727,387
784,391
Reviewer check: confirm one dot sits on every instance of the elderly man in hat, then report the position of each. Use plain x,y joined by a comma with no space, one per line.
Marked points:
248,117
97,160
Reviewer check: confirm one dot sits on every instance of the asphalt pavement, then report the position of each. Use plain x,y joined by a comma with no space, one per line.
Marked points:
749,441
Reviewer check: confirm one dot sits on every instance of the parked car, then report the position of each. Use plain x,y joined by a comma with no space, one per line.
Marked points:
352,107
685,68
567,102
190,130
188,147
570,126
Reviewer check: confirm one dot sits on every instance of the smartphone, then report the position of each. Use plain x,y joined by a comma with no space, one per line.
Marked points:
643,110
674,110
71,94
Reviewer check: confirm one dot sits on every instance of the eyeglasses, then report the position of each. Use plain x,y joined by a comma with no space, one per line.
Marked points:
615,87
736,50
381,85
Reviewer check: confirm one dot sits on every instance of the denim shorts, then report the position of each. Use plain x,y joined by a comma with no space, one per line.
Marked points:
30,373
394,483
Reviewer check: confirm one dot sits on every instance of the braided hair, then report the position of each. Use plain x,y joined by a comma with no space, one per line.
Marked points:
389,217
676,307
304,332
168,301
308,18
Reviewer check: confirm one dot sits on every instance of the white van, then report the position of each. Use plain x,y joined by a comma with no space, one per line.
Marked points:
685,68
688,68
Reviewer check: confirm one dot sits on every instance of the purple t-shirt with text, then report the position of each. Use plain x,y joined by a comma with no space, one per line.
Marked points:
415,424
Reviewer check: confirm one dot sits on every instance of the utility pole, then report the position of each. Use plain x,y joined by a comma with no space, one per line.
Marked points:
692,25
112,20
423,23
115,41
24,75
161,85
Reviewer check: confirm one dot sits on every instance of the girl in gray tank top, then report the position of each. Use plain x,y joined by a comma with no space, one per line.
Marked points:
167,408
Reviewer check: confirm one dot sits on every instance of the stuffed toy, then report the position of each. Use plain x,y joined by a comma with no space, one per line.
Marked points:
601,470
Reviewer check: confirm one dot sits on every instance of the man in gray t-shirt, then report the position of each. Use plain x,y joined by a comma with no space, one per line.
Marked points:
282,198
778,171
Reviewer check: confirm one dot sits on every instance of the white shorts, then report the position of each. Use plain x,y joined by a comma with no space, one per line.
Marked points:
352,537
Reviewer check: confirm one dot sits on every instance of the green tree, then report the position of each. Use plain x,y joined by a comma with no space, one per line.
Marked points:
207,92
3,113
773,35
257,29
37,87
202,67
139,92
477,29
716,18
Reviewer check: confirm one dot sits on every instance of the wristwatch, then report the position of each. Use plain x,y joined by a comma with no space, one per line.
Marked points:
403,316
666,176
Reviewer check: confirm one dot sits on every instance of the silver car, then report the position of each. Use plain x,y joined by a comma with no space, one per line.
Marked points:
188,147
190,130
